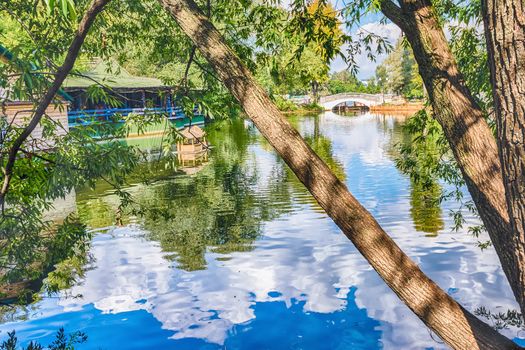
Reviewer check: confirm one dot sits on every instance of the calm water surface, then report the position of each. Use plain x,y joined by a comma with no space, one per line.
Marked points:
237,255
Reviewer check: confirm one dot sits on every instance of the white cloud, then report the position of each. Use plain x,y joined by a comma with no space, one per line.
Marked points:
301,256
366,67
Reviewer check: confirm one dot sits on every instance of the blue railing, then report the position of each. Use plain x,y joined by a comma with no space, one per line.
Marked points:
86,117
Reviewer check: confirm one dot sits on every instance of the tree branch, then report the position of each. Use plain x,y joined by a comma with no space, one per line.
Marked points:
94,9
193,51
393,13
188,65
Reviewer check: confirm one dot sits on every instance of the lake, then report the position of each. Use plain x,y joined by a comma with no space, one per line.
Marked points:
234,253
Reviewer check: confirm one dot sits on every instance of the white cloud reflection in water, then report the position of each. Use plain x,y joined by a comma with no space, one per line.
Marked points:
301,257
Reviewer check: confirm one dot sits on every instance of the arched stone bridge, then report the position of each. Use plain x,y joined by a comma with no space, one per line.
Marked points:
369,100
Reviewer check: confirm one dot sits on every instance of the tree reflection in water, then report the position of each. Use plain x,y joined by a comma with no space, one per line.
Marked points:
425,208
222,207
425,190
217,208
322,145
302,284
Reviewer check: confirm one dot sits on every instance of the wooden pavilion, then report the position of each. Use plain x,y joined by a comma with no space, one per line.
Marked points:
134,94
192,148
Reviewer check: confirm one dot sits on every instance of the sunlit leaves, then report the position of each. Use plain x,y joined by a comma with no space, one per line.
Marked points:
66,8
319,24
398,73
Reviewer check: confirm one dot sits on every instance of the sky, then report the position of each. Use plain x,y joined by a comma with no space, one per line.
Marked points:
366,66
371,23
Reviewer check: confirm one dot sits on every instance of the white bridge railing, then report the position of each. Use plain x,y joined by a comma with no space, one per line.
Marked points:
329,102
379,98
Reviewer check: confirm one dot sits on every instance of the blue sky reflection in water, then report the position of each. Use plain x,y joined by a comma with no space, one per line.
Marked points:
278,276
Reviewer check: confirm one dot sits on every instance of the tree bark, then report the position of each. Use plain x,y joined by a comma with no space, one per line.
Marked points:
315,91
93,10
465,128
505,34
456,326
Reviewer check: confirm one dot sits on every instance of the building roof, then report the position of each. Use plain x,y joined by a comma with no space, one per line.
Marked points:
112,75
192,132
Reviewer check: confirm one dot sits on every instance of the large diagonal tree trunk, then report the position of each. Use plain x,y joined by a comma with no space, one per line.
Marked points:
505,34
456,326
465,128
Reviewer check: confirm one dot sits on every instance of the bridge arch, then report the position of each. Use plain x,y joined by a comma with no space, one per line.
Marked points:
369,100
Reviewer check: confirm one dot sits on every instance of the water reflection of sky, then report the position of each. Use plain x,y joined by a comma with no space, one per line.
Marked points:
303,286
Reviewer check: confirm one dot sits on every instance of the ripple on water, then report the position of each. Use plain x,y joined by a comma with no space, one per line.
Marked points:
250,261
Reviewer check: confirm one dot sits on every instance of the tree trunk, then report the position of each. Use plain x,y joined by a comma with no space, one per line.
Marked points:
456,326
505,34
315,91
465,128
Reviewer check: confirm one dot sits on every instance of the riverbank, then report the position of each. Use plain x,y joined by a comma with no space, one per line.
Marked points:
405,108
289,107
301,110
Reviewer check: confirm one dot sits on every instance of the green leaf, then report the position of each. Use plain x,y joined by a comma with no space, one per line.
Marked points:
72,11
50,6
64,8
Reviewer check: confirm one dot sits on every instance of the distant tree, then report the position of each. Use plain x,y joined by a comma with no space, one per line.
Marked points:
291,75
344,81
381,77
325,24
398,73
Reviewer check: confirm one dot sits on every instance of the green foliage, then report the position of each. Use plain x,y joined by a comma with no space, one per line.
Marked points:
312,107
345,81
398,74
469,48
64,7
317,23
62,341
286,72
426,157
284,104
309,38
